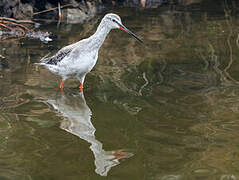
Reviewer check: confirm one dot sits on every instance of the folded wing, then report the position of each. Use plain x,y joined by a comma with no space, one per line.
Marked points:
59,56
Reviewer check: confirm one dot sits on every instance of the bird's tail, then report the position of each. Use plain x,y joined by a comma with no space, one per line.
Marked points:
40,63
43,60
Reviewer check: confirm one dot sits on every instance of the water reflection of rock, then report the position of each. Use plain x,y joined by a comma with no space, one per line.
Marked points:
78,122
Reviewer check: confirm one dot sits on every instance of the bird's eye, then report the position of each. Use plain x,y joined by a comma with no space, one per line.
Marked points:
113,20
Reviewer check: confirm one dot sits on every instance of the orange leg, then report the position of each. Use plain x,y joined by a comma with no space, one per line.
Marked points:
119,154
61,85
81,87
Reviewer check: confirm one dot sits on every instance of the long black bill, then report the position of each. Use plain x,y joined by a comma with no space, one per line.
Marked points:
122,27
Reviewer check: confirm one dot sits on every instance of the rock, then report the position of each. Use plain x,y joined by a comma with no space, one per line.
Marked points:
23,11
16,9
78,15
75,15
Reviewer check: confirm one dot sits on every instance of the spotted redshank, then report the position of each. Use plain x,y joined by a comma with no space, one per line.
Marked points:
76,60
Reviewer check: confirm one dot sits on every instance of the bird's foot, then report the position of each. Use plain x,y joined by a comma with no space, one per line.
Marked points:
61,86
119,154
81,87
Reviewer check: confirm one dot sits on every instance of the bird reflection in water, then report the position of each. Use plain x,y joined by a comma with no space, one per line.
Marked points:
78,122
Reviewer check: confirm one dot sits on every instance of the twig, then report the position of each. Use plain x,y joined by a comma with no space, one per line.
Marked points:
3,25
52,9
17,21
59,12
15,24
17,30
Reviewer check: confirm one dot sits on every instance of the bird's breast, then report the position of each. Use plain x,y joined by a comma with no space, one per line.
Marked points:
82,63
78,63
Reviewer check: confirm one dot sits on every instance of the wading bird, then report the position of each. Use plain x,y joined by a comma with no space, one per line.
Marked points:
76,60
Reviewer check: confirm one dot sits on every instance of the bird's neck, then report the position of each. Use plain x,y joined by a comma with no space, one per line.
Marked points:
99,36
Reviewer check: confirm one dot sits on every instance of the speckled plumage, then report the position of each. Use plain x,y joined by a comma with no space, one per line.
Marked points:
56,58
77,59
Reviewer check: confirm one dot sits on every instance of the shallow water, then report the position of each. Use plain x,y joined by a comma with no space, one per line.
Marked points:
167,110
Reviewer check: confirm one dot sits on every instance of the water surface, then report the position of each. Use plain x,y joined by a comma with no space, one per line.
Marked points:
167,110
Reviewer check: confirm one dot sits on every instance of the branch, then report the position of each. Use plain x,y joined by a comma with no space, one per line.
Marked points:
15,24
16,21
5,26
52,9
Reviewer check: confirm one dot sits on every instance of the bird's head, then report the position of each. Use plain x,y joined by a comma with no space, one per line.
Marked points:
113,21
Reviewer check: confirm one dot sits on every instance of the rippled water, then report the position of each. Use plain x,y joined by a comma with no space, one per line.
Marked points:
167,110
